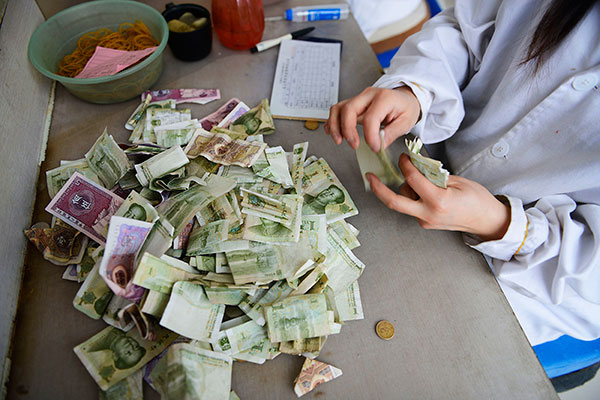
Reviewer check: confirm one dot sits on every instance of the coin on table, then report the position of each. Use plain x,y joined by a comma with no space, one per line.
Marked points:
385,330
311,124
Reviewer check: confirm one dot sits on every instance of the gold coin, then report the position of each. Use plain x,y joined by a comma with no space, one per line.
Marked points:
311,125
385,330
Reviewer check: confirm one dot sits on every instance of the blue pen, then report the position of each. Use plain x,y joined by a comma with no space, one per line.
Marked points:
327,12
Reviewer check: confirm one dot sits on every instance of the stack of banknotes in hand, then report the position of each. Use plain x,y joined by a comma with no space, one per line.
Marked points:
200,245
381,165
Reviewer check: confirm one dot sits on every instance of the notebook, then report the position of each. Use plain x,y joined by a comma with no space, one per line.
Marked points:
306,80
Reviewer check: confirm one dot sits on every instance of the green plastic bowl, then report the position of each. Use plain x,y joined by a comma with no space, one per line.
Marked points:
58,37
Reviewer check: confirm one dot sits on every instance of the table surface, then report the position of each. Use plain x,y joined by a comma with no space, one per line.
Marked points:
456,336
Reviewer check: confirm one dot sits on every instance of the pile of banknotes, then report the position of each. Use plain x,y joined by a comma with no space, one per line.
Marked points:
200,245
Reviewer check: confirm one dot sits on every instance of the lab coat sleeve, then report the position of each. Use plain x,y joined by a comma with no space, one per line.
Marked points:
438,62
551,251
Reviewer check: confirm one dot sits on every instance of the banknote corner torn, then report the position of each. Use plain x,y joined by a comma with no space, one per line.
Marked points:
314,373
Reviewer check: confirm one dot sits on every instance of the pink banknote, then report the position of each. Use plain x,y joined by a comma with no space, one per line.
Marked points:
180,242
237,112
86,206
124,240
213,119
199,96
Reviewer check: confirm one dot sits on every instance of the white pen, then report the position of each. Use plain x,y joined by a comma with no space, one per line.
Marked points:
267,44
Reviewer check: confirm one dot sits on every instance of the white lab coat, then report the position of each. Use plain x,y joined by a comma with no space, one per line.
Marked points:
534,138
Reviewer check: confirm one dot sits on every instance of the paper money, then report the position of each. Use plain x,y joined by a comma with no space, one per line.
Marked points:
250,301
314,227
137,121
92,255
181,241
155,372
154,303
57,177
245,336
299,317
346,233
125,238
213,119
197,374
342,266
306,283
347,303
205,237
160,165
107,160
257,121
129,388
179,133
259,263
314,373
61,244
93,296
297,347
70,273
222,295
297,170
221,149
135,207
180,209
325,194
138,208
240,109
432,169
379,164
113,355
160,274
191,314
227,245
283,209
198,96
146,325
279,291
230,133
204,263
158,240
226,208
267,231
111,314
278,167
85,205
162,116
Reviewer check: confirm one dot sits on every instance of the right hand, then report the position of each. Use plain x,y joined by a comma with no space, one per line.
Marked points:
396,109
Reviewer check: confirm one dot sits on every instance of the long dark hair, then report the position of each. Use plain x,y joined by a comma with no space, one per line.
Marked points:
558,21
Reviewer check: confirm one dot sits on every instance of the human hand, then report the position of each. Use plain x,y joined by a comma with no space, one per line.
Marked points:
464,205
398,109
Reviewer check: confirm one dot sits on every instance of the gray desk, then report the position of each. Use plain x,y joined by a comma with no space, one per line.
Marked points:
456,336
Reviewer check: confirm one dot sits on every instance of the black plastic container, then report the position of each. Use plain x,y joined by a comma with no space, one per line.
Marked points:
189,46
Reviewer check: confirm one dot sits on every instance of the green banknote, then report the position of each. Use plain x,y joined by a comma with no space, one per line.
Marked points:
197,374
113,355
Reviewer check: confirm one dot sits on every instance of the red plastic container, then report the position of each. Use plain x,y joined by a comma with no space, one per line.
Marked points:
239,24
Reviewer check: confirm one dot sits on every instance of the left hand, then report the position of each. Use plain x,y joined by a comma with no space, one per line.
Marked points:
464,205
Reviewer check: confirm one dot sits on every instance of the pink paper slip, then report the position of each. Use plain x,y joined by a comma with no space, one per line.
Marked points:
110,61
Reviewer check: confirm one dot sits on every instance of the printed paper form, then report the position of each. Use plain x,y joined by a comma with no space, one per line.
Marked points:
306,80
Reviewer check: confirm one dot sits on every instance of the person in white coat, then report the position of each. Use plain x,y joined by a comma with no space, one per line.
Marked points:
505,92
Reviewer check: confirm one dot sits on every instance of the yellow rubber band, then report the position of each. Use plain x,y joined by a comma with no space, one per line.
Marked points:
525,238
